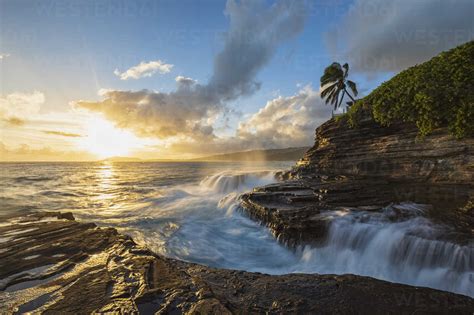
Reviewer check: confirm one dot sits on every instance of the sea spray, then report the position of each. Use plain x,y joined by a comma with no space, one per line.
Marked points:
189,211
228,181
410,251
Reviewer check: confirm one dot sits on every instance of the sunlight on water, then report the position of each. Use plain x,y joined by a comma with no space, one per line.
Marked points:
190,211
105,174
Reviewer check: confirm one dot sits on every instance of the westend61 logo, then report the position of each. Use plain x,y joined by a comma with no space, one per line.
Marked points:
98,8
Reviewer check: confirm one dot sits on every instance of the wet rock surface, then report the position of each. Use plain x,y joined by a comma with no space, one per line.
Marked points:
51,264
369,168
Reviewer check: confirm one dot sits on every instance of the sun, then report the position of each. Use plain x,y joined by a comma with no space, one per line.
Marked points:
104,140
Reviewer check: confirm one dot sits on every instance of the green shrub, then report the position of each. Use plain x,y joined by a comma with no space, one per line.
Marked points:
357,113
341,117
437,93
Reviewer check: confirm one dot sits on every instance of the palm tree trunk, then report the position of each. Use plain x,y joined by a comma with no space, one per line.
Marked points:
349,95
342,97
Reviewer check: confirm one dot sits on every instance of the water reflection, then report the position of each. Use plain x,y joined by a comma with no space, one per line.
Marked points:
107,194
105,174
106,170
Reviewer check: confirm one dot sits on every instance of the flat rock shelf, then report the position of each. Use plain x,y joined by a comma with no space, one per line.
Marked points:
51,264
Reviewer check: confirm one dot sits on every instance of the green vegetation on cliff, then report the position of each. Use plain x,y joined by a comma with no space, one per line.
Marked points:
437,93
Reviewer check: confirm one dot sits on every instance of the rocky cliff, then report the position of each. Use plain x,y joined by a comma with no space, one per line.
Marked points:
51,264
374,157
395,153
368,168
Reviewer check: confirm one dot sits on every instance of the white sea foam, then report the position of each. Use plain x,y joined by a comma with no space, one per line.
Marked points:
188,211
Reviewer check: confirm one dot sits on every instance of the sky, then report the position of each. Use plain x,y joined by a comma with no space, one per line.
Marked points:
167,79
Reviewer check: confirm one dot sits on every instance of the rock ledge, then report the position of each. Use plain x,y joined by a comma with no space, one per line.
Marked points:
50,263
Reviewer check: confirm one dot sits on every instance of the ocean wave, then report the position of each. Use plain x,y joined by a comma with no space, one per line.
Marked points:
408,251
188,212
24,179
228,181
55,193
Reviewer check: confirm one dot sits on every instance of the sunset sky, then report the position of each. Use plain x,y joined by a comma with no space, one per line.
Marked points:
84,80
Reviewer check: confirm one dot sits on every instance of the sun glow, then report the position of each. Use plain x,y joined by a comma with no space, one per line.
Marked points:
104,140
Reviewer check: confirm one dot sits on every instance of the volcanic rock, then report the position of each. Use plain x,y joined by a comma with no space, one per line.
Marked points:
51,264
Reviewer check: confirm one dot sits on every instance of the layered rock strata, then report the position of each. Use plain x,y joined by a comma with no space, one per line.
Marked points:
51,264
368,168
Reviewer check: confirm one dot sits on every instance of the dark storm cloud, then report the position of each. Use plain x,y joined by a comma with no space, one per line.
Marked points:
379,35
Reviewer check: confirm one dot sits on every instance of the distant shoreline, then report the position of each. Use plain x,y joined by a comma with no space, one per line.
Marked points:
266,155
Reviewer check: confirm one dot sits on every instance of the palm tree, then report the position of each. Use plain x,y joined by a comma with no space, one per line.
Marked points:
334,81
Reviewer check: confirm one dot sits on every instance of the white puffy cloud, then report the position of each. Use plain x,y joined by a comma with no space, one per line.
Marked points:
379,35
15,108
286,121
161,115
3,56
185,81
256,30
283,122
144,69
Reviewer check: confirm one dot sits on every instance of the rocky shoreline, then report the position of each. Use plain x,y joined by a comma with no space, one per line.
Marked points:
49,263
369,168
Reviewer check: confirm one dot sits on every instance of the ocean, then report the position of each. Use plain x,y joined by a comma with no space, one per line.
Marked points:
190,211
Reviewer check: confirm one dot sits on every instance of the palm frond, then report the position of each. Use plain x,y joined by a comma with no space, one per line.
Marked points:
336,65
353,87
346,68
334,96
332,73
327,89
340,101
330,96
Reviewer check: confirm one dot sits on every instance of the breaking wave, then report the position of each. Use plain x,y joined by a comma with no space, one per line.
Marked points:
190,211
410,251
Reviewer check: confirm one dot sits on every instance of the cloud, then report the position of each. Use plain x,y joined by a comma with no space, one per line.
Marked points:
14,121
283,122
16,108
184,81
286,121
61,133
255,32
159,115
25,152
379,35
3,56
144,69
